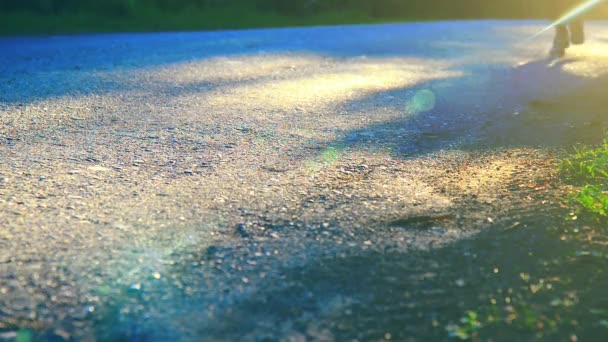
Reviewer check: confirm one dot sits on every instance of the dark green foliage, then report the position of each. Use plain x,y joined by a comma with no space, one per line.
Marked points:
376,8
79,16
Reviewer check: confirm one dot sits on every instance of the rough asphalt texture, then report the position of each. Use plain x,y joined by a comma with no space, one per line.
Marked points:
179,186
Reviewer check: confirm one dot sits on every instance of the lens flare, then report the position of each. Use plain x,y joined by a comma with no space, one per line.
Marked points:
570,15
423,101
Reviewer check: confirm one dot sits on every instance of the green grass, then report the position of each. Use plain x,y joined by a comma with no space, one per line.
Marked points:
587,169
152,20
593,199
586,166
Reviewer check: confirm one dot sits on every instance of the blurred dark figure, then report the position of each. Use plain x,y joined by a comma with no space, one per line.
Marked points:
567,34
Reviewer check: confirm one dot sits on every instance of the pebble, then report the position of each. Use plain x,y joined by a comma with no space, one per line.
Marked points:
135,287
211,251
439,231
63,334
241,230
98,168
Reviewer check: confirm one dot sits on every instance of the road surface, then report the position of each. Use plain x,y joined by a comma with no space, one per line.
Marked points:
283,184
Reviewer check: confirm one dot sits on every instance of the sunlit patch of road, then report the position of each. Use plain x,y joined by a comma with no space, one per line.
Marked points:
346,81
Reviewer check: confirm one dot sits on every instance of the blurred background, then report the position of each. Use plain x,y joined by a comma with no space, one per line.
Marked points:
75,16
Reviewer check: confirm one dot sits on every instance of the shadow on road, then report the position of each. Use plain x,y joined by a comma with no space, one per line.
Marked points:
526,277
417,296
533,105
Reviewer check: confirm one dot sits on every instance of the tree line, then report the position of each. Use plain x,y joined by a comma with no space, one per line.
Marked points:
414,9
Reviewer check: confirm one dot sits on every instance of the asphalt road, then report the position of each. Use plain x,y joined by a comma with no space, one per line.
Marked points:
239,185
